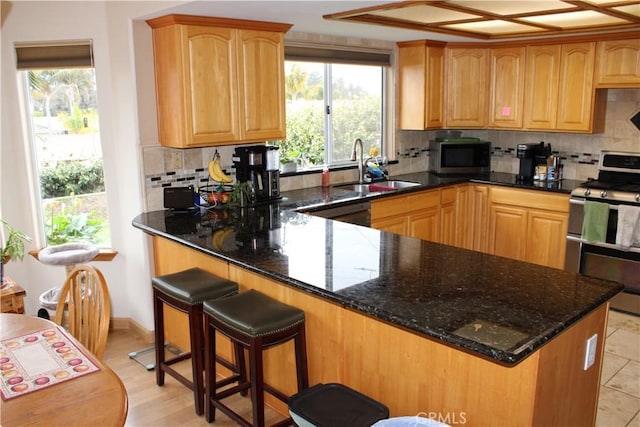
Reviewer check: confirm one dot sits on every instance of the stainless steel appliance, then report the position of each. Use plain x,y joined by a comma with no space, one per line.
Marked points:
459,156
618,184
259,166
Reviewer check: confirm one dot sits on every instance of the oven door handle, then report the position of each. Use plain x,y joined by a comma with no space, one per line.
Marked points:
581,203
578,239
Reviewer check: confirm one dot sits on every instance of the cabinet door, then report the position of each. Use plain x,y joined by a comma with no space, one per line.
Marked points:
425,225
448,209
420,86
464,217
506,87
507,231
480,217
576,95
261,82
541,93
618,63
467,87
394,224
546,233
210,85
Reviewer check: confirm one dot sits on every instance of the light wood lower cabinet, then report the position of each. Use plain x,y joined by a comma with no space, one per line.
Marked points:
528,226
412,374
416,215
480,217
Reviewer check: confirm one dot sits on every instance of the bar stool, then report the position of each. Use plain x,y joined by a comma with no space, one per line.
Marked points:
256,322
185,291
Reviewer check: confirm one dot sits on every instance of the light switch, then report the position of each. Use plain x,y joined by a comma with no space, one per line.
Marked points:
590,352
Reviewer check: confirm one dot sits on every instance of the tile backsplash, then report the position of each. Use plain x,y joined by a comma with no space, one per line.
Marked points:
580,152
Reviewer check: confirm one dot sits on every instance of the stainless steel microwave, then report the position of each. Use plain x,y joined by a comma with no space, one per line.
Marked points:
459,156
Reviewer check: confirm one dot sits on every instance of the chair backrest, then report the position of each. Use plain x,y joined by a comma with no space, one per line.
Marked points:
84,308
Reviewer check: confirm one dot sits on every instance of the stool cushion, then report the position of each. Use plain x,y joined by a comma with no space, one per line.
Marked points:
253,313
194,286
335,405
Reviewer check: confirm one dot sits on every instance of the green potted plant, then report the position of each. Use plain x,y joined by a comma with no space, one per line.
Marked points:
289,161
12,246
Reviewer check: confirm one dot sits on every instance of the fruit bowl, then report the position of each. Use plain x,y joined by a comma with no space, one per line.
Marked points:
218,198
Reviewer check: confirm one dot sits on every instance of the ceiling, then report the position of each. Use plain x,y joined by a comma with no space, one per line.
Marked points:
502,19
435,20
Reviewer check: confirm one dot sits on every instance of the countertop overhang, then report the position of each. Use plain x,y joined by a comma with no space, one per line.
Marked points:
493,307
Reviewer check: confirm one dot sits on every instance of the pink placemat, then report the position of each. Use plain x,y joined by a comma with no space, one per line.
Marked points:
40,359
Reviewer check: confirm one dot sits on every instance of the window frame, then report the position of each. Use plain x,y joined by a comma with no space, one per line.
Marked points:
58,55
332,55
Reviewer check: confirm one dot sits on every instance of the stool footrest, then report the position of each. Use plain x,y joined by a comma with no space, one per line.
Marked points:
177,376
180,358
230,380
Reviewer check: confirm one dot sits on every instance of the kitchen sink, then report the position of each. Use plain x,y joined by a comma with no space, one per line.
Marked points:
378,186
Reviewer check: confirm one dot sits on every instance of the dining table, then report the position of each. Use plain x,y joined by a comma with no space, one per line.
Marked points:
49,378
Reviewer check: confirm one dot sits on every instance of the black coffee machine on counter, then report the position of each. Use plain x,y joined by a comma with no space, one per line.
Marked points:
259,165
531,155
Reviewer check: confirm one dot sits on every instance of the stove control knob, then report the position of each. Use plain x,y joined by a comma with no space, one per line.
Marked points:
587,192
637,197
603,194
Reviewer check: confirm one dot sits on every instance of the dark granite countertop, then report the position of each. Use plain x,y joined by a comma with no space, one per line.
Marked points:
493,307
318,198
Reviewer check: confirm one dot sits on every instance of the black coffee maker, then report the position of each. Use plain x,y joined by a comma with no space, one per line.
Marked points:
259,165
531,155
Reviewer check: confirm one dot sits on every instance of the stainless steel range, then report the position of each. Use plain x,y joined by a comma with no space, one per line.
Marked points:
613,258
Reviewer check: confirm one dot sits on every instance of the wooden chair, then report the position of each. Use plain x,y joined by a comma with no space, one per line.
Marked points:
84,308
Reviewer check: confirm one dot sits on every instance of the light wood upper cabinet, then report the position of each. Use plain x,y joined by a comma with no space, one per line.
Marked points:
467,85
420,85
559,93
218,81
261,62
541,94
506,87
618,63
576,96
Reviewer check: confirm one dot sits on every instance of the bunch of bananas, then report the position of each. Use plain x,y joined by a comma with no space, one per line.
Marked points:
215,170
219,236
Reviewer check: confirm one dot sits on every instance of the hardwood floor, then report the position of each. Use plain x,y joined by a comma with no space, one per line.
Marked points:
169,405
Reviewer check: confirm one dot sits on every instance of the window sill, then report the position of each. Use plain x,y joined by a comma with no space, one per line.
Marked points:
105,254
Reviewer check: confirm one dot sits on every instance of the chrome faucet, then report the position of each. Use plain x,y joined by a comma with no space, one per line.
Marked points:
357,142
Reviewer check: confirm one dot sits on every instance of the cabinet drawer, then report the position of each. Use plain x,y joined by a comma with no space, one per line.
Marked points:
402,205
448,195
530,199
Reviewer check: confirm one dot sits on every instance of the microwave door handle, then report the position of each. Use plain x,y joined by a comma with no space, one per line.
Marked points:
581,203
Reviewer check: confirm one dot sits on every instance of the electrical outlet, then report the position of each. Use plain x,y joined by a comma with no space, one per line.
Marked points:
590,352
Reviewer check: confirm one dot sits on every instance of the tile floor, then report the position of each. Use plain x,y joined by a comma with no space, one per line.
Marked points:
619,402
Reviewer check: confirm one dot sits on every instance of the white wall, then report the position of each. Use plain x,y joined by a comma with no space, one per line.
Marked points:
110,25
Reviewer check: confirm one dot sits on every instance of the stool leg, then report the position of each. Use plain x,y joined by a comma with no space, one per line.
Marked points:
210,371
240,365
158,316
197,367
257,381
301,359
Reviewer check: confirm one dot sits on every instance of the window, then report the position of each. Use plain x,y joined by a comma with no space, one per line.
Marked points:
60,89
332,100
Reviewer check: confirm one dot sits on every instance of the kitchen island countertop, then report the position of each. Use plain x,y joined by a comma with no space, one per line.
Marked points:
493,307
